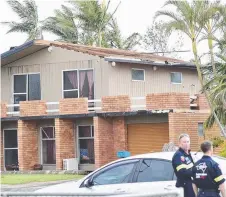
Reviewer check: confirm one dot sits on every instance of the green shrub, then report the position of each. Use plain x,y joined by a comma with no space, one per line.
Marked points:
223,152
217,141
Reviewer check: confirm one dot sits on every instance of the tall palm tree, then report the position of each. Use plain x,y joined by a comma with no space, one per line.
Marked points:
93,17
29,19
62,25
189,19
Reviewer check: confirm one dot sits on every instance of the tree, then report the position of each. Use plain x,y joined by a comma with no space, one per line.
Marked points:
156,39
113,38
29,19
93,17
62,25
189,18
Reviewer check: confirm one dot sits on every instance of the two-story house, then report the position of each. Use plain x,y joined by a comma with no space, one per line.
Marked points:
62,101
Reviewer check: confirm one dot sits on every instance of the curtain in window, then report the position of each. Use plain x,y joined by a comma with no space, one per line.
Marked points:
86,84
72,76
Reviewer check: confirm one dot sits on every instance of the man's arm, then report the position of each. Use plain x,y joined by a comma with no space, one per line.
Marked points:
182,168
222,189
195,189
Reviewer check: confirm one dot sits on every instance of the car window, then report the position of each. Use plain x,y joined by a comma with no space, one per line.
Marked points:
117,174
155,170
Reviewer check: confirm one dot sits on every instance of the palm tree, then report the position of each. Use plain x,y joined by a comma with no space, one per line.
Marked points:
93,18
62,25
29,19
115,39
189,19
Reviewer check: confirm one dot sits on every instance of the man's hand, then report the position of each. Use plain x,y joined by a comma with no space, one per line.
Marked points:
195,189
223,189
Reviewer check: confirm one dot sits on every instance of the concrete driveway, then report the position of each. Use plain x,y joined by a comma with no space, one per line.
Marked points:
29,187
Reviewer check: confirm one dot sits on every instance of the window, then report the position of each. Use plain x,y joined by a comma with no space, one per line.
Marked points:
117,174
78,83
155,170
200,129
48,145
138,74
10,147
86,144
176,77
26,87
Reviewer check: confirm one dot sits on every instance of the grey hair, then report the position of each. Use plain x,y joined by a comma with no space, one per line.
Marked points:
183,135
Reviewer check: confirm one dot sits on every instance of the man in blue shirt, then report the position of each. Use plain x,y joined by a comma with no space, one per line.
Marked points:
207,176
182,164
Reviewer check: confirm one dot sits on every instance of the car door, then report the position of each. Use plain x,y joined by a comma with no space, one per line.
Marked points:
112,179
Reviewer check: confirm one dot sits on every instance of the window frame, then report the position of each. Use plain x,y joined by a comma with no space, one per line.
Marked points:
110,166
83,138
156,159
137,69
26,74
47,139
203,132
175,82
85,69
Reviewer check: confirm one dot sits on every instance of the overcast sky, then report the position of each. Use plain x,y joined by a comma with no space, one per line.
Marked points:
132,16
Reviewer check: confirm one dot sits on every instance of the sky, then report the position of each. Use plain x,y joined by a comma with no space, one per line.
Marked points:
132,16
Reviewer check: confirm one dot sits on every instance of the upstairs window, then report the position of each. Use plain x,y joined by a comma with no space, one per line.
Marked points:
176,77
200,129
138,74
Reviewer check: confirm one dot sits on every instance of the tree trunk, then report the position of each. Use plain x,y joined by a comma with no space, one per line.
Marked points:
99,38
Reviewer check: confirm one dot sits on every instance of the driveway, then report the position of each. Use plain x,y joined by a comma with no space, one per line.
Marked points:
29,187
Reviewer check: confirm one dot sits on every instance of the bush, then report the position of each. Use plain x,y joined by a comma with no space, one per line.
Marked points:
223,152
217,141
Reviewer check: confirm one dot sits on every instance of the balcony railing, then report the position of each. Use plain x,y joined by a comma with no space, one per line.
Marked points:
53,108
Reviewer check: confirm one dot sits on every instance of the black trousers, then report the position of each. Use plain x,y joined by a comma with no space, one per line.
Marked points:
208,194
188,190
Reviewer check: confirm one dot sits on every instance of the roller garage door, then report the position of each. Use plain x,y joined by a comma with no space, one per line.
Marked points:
146,138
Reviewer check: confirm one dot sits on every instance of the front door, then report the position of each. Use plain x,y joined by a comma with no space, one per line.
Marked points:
10,149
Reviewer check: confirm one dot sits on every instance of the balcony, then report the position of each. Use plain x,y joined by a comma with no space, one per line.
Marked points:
153,102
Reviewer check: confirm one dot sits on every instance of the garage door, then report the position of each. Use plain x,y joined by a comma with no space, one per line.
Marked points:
146,138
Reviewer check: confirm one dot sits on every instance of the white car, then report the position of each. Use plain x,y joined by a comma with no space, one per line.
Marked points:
132,175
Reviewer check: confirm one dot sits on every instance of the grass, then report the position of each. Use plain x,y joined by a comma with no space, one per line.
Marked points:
13,179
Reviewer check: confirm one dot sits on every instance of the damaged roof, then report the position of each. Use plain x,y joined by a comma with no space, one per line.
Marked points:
109,54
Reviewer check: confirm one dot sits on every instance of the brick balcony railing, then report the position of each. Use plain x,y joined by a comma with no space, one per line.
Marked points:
122,103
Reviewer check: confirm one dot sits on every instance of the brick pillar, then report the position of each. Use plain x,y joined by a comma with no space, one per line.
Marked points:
1,153
65,141
3,110
103,141
74,106
27,144
120,135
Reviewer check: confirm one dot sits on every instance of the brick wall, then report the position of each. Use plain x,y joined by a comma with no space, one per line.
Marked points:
103,141
3,110
120,103
1,152
168,101
188,123
65,141
120,135
74,106
202,102
33,108
27,144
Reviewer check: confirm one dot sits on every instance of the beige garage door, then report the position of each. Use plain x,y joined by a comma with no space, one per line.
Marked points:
146,138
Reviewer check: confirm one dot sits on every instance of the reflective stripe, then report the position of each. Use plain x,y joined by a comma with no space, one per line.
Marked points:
190,165
219,178
181,167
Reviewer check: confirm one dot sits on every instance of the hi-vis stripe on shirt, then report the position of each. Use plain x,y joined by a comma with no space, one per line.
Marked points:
184,166
219,178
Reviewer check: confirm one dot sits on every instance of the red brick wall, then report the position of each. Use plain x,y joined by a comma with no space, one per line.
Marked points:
27,144
74,106
103,141
168,101
1,152
120,135
188,123
202,102
33,108
3,110
65,141
119,103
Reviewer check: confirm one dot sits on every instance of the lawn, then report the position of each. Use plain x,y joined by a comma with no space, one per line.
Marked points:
14,179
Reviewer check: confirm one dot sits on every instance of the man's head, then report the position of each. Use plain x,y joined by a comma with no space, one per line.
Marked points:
184,142
207,148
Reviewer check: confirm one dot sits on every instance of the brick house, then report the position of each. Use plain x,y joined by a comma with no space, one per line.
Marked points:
62,101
